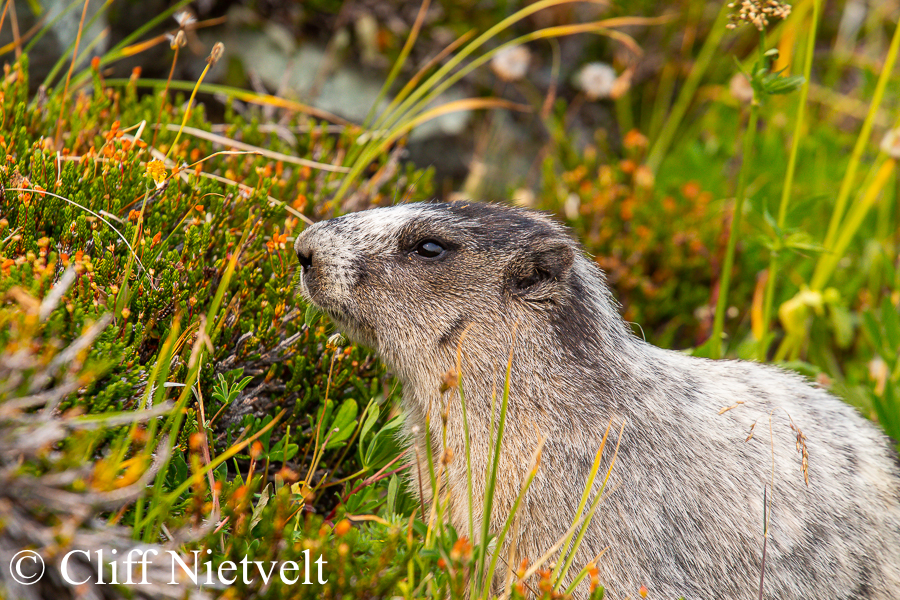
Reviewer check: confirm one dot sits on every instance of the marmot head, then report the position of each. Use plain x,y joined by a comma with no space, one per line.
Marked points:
408,279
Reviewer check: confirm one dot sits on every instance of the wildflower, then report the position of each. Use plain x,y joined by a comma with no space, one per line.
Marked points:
758,12
878,372
890,144
462,550
794,312
156,170
635,140
643,177
511,64
278,241
342,527
596,80
288,475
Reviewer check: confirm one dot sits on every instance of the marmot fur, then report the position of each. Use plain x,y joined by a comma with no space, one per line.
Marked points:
684,514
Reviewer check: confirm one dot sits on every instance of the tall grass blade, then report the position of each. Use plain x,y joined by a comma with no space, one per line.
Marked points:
786,189
862,142
592,476
492,478
590,515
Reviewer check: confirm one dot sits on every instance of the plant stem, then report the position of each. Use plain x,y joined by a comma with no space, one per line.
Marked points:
715,342
725,279
763,349
790,346
852,223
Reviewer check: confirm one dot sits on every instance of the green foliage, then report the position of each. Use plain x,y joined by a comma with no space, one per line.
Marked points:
155,253
658,244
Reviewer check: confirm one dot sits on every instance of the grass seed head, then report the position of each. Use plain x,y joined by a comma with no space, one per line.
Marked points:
449,380
757,12
216,53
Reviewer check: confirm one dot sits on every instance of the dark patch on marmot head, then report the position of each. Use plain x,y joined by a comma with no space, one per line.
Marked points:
575,321
451,336
417,275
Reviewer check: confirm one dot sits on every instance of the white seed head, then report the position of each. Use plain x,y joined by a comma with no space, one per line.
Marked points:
511,64
596,80
184,18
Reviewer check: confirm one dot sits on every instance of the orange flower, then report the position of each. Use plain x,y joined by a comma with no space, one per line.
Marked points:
156,170
342,528
462,550
595,577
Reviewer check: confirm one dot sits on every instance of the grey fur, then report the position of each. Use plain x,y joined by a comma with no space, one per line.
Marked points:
685,512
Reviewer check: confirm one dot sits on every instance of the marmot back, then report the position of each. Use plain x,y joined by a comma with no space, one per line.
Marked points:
685,511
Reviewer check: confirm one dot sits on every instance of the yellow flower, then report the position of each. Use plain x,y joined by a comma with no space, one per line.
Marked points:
156,170
794,312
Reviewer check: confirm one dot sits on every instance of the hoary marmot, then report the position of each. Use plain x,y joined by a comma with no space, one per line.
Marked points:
684,514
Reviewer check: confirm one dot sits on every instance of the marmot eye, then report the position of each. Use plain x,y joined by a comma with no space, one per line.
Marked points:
429,249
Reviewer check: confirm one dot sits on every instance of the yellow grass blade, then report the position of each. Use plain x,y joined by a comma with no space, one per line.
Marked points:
221,139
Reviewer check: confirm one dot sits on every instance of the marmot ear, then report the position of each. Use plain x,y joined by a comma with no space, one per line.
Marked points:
537,274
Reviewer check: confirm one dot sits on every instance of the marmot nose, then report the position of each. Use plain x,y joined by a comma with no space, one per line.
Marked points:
305,258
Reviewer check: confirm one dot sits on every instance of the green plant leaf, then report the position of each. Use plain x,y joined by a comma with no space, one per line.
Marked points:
371,418
311,315
344,422
393,489
783,85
